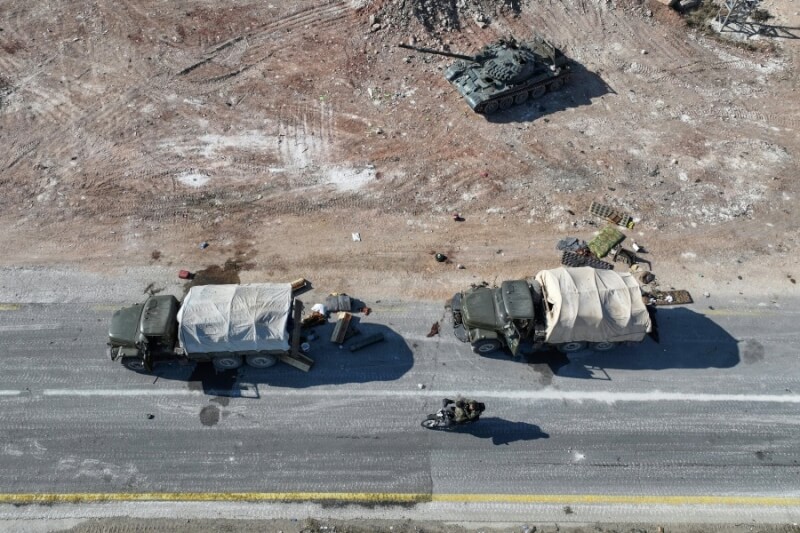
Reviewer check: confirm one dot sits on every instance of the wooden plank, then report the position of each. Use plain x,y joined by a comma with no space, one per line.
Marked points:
363,343
340,331
298,322
294,357
297,360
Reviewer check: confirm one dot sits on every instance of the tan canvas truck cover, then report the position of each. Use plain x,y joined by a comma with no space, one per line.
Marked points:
235,318
593,305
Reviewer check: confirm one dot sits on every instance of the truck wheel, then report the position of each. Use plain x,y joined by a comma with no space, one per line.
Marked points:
483,346
228,362
133,363
603,346
261,360
571,347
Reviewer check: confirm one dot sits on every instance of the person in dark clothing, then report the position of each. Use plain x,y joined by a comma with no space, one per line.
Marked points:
463,410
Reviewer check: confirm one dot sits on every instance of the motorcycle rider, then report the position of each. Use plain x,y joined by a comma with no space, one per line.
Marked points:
462,410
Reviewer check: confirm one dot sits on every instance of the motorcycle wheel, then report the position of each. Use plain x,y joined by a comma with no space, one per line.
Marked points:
430,423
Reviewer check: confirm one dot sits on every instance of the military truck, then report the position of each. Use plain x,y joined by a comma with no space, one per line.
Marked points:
565,308
505,72
228,325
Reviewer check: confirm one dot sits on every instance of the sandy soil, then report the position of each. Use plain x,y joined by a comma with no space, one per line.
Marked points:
135,130
404,526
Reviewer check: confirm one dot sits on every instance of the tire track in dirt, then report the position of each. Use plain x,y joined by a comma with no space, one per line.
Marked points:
608,29
255,41
107,117
787,120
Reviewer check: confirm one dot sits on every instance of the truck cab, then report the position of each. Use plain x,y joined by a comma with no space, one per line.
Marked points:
495,317
143,332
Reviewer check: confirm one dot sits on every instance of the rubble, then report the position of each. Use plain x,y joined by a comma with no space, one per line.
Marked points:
670,297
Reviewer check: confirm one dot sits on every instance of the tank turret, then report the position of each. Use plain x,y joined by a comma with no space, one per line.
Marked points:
505,72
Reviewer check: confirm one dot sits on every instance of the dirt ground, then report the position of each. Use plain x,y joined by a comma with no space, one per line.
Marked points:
135,130
404,526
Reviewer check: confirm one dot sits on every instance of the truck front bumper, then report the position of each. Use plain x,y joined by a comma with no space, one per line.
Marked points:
458,327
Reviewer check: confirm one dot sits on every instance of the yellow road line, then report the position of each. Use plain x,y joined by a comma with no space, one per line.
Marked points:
399,498
9,307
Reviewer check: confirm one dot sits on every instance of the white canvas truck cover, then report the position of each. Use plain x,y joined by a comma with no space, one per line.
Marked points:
593,305
235,318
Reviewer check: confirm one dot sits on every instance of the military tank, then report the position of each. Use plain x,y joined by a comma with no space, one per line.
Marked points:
505,72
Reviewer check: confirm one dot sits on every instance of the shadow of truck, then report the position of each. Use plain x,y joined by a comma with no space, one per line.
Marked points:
687,339
387,360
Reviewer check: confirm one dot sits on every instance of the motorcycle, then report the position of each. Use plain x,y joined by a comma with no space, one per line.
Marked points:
444,419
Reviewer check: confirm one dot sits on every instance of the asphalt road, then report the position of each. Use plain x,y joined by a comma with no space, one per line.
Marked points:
703,424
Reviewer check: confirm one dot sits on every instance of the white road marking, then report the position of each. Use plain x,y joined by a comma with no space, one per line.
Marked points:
29,327
542,395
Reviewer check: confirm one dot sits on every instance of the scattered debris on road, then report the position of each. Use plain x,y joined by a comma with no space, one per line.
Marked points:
366,341
670,297
612,215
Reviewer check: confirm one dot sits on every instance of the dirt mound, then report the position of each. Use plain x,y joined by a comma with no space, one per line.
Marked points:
437,18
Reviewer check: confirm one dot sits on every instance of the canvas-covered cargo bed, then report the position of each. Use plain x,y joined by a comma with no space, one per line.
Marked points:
587,304
235,318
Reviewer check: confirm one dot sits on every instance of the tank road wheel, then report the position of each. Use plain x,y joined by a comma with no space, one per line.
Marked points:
603,346
261,360
506,102
491,107
484,346
556,84
571,347
227,362
133,363
520,98
538,92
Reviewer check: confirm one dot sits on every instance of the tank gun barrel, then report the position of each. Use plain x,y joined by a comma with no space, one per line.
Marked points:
437,52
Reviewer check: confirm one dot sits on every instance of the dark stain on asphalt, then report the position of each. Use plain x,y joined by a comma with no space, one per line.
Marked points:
206,378
546,364
221,400
752,352
543,372
209,415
